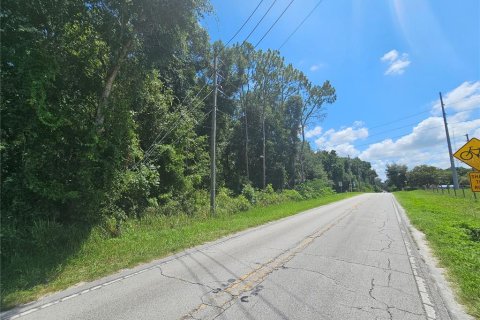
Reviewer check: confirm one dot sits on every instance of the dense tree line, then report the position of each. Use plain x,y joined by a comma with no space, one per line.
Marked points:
399,177
105,112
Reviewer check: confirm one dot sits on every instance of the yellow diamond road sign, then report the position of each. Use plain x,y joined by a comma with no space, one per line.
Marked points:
475,181
470,153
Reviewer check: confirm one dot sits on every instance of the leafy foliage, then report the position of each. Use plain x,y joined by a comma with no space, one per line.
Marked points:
396,176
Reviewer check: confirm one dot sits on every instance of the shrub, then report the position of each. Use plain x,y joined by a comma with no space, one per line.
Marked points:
227,204
314,189
249,193
292,195
268,196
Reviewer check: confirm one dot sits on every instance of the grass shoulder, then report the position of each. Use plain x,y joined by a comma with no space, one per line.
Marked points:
452,228
142,240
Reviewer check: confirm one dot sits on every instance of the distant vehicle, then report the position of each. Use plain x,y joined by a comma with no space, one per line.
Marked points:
445,186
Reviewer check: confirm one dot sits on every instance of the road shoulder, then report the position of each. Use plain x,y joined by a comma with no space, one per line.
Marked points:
441,290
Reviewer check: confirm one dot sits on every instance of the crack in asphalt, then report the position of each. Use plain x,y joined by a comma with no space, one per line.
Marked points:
388,307
183,280
361,309
390,241
370,291
325,276
387,310
372,286
357,263
394,253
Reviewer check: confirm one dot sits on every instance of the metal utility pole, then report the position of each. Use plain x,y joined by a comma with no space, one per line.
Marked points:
452,163
468,139
213,140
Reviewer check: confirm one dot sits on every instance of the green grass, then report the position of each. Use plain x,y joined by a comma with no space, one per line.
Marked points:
452,228
31,276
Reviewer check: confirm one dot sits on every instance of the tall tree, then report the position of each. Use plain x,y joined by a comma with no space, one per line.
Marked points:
293,113
423,175
396,176
314,99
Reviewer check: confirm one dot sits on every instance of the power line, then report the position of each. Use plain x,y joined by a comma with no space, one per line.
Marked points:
260,21
403,135
150,150
177,121
457,101
180,137
271,27
393,129
416,114
399,119
301,24
467,109
246,21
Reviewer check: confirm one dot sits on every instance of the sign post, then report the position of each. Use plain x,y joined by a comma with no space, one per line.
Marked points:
469,153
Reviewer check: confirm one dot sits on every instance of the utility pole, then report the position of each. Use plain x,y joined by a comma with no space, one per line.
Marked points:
246,141
452,163
213,147
467,137
264,178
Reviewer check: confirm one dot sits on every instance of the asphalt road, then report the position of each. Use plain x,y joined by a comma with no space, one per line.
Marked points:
353,259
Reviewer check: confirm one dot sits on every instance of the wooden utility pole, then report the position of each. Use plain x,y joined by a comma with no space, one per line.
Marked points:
263,150
452,163
246,146
213,141
246,138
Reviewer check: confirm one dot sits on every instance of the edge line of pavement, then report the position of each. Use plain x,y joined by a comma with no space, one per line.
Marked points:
436,274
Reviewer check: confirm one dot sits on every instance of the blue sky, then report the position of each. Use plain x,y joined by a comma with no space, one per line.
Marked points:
388,60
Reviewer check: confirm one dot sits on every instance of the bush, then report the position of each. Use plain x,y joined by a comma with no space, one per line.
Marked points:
268,196
227,204
249,193
314,189
292,195
130,193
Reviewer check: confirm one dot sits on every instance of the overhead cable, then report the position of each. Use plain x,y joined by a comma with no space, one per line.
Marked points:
246,21
274,23
301,24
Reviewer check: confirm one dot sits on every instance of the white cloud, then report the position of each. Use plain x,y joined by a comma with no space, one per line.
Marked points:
397,63
316,67
349,134
343,139
314,132
358,123
390,56
464,97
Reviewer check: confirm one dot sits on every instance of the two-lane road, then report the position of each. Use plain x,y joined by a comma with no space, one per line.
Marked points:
353,259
